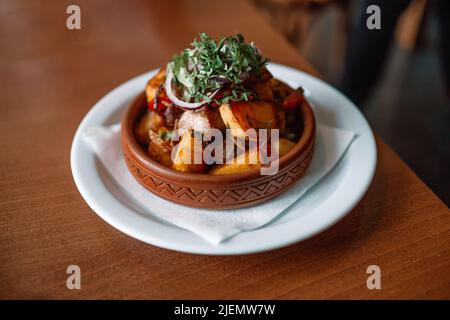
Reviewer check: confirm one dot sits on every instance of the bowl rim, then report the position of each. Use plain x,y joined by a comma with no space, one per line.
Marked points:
129,141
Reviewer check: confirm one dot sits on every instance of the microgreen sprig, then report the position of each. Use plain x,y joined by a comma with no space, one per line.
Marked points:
204,68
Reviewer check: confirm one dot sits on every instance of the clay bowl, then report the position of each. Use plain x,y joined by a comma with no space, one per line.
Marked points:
214,191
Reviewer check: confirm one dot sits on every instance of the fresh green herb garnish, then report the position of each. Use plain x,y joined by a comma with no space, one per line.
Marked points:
205,67
165,135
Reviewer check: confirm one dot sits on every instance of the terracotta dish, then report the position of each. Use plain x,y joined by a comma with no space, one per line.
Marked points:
228,191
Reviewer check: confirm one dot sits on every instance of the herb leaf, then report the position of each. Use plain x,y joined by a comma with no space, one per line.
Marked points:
205,67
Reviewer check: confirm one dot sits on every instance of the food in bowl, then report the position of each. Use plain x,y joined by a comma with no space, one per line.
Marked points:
218,86
212,124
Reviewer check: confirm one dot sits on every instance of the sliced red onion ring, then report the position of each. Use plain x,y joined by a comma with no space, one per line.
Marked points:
180,103
220,79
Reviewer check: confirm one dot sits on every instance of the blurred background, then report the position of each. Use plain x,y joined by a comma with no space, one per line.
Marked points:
403,89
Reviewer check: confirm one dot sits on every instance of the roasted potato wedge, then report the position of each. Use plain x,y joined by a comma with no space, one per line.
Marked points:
249,160
187,150
141,129
244,162
245,115
285,146
159,149
150,121
156,121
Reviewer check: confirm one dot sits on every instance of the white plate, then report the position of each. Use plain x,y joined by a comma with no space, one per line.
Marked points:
328,201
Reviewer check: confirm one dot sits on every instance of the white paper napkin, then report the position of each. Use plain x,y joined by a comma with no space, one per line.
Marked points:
216,225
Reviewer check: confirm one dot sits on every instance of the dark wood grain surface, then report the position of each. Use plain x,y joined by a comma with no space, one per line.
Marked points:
50,77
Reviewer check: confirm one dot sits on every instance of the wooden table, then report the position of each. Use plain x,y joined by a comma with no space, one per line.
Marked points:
50,77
